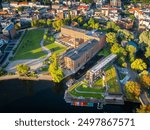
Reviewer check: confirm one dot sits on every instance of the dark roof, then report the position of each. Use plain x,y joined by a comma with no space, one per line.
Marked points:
78,52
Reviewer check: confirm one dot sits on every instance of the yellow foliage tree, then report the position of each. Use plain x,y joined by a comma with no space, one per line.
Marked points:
139,64
133,88
144,109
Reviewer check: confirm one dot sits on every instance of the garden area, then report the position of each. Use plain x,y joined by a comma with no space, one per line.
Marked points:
30,46
55,47
82,90
111,80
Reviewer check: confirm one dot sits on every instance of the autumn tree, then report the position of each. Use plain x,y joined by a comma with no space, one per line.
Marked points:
145,80
145,38
133,88
131,49
111,38
144,109
139,64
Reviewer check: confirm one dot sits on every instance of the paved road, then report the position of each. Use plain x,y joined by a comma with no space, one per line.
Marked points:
33,63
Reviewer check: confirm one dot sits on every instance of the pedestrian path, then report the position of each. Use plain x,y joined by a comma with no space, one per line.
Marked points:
33,63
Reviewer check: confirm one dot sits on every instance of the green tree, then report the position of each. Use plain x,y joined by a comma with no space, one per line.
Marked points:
147,53
1,71
49,22
111,26
139,64
124,34
51,39
22,69
55,71
80,21
58,24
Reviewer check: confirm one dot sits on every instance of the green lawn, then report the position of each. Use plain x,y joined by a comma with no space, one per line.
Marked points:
55,47
30,47
97,96
104,52
84,88
111,80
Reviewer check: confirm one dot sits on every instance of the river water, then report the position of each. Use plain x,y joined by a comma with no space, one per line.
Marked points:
45,96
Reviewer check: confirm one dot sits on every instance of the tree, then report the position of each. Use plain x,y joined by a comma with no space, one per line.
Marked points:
147,53
22,69
111,26
138,64
131,49
118,49
132,17
54,69
133,88
57,24
145,80
145,38
111,37
51,39
144,109
91,23
49,22
124,34
1,71
80,20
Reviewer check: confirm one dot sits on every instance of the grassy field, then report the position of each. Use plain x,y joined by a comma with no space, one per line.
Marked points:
55,47
83,89
104,52
111,80
30,47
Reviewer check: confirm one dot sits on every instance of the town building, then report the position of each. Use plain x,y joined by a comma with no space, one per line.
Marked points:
10,31
95,71
116,3
78,57
73,36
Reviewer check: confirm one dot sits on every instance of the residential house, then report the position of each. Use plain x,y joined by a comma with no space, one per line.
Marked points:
10,31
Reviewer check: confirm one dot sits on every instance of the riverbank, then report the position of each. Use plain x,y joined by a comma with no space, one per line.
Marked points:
40,77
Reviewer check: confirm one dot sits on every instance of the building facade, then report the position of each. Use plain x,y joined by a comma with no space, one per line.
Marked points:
74,36
78,57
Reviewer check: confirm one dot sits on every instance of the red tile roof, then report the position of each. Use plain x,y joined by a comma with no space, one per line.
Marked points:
83,7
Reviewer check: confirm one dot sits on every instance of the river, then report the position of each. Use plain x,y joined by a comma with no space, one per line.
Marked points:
46,97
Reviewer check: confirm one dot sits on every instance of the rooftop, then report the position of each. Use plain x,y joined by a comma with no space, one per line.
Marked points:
77,52
9,27
74,28
103,63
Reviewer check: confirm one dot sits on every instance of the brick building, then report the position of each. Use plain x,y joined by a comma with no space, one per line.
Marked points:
73,36
78,57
